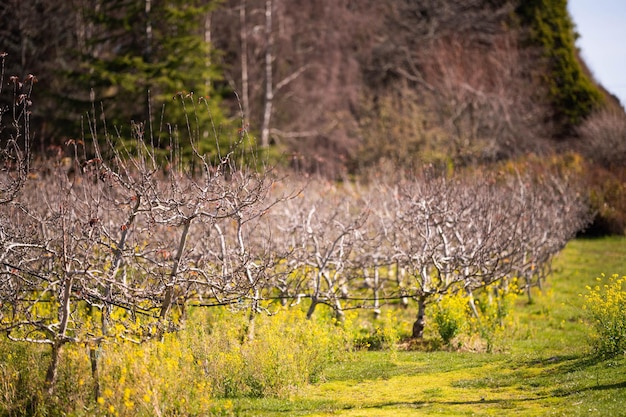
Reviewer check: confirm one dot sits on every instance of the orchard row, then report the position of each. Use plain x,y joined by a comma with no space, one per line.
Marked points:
117,242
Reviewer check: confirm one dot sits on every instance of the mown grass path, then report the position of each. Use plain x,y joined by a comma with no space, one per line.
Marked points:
545,367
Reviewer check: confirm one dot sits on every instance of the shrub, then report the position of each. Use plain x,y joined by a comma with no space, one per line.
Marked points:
603,137
381,334
606,308
494,304
450,316
287,352
607,191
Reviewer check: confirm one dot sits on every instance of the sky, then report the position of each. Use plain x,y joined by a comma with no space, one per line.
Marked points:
601,25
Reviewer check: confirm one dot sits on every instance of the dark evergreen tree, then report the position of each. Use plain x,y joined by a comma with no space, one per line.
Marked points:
573,94
37,37
150,64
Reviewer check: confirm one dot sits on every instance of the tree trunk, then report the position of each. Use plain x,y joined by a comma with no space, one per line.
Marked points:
95,375
95,349
472,303
376,292
418,326
400,273
340,316
269,85
311,309
529,284
64,311
243,36
51,373
248,332
148,52
208,38
170,287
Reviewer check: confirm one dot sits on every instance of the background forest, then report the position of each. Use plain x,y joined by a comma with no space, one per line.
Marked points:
334,87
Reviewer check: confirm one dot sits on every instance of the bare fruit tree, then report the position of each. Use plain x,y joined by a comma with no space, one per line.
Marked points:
462,234
105,243
322,229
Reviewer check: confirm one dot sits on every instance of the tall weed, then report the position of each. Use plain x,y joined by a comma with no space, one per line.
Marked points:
22,373
182,374
380,334
605,305
450,316
494,304
483,326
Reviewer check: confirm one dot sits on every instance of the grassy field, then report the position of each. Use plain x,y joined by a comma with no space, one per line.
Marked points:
544,367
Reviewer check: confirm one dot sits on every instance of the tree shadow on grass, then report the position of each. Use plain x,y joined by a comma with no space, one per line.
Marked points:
564,364
558,360
545,376
597,387
502,402
568,364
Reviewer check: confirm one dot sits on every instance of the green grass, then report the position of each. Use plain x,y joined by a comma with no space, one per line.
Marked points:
546,367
